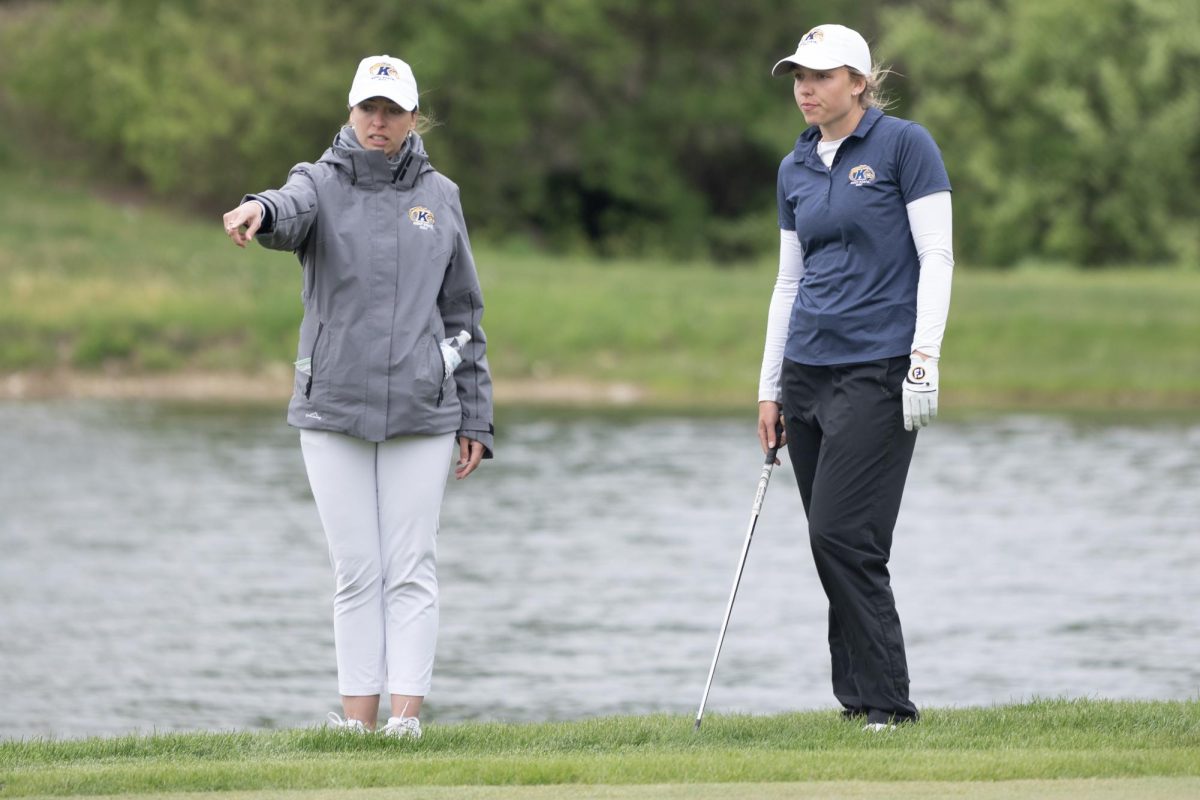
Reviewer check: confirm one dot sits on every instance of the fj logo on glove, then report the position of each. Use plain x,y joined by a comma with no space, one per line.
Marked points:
916,374
422,217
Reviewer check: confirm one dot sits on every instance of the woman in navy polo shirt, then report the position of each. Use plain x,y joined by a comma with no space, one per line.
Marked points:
853,338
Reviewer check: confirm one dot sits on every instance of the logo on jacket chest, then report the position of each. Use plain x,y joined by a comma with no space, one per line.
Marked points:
422,217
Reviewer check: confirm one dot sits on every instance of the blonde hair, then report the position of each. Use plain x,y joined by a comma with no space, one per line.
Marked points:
873,95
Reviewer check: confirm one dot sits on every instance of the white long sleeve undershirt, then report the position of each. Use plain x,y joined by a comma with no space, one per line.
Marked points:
931,222
787,284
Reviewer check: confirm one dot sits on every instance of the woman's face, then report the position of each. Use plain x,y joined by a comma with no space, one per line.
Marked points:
380,124
829,98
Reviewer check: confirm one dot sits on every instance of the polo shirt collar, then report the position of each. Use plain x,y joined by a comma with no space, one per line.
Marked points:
806,145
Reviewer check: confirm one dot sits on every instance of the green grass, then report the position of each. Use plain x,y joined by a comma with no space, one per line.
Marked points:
1090,788
1051,740
93,284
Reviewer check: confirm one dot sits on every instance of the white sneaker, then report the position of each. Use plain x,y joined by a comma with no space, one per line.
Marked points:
402,728
348,725
876,727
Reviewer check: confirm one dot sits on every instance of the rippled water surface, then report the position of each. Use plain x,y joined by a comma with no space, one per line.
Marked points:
165,569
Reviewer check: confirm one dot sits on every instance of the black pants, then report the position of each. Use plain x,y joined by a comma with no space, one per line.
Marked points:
850,452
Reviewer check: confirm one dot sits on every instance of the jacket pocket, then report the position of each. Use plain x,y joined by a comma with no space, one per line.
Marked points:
430,370
310,368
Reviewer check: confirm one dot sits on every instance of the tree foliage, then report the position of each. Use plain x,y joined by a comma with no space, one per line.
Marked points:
1069,127
624,125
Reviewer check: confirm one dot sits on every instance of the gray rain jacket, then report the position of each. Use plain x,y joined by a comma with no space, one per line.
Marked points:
388,273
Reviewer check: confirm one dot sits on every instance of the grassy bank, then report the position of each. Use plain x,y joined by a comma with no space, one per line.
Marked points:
1134,745
98,285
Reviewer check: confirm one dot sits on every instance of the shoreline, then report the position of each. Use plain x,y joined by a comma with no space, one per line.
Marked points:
272,386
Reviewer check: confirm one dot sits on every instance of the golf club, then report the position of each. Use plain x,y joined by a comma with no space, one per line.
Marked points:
758,501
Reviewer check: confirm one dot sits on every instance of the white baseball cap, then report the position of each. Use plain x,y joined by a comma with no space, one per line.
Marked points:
828,47
384,76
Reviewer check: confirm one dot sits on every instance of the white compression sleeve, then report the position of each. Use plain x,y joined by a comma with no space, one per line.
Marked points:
930,220
787,284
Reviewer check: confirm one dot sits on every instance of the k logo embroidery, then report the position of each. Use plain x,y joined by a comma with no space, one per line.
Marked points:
422,217
862,175
384,70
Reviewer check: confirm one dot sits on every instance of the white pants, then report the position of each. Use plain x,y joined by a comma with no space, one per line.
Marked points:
379,505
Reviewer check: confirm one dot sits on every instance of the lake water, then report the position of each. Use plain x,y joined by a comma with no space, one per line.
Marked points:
164,569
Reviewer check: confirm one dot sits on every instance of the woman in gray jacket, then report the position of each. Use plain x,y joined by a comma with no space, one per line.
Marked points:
380,393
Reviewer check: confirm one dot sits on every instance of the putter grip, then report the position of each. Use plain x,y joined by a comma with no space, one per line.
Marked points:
771,453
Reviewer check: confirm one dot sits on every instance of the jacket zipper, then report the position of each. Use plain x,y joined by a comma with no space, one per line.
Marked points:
312,361
442,387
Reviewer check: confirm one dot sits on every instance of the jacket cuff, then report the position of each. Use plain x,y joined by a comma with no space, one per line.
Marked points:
268,220
482,437
481,431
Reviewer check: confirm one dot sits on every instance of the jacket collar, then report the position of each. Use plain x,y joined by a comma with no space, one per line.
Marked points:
372,167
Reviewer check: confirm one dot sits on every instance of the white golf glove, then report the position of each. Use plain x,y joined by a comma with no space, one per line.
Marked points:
452,352
920,394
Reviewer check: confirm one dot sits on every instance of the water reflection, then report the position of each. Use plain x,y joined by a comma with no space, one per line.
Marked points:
164,568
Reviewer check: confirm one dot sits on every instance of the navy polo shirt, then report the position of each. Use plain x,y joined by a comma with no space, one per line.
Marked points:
858,296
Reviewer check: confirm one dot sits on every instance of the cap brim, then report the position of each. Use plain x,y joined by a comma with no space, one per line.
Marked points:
786,65
407,103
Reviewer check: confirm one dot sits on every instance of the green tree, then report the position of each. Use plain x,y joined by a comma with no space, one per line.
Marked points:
629,126
634,126
201,100
1071,128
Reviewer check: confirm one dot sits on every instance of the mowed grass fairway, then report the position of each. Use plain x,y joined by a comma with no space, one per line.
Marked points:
1063,789
106,288
1081,748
